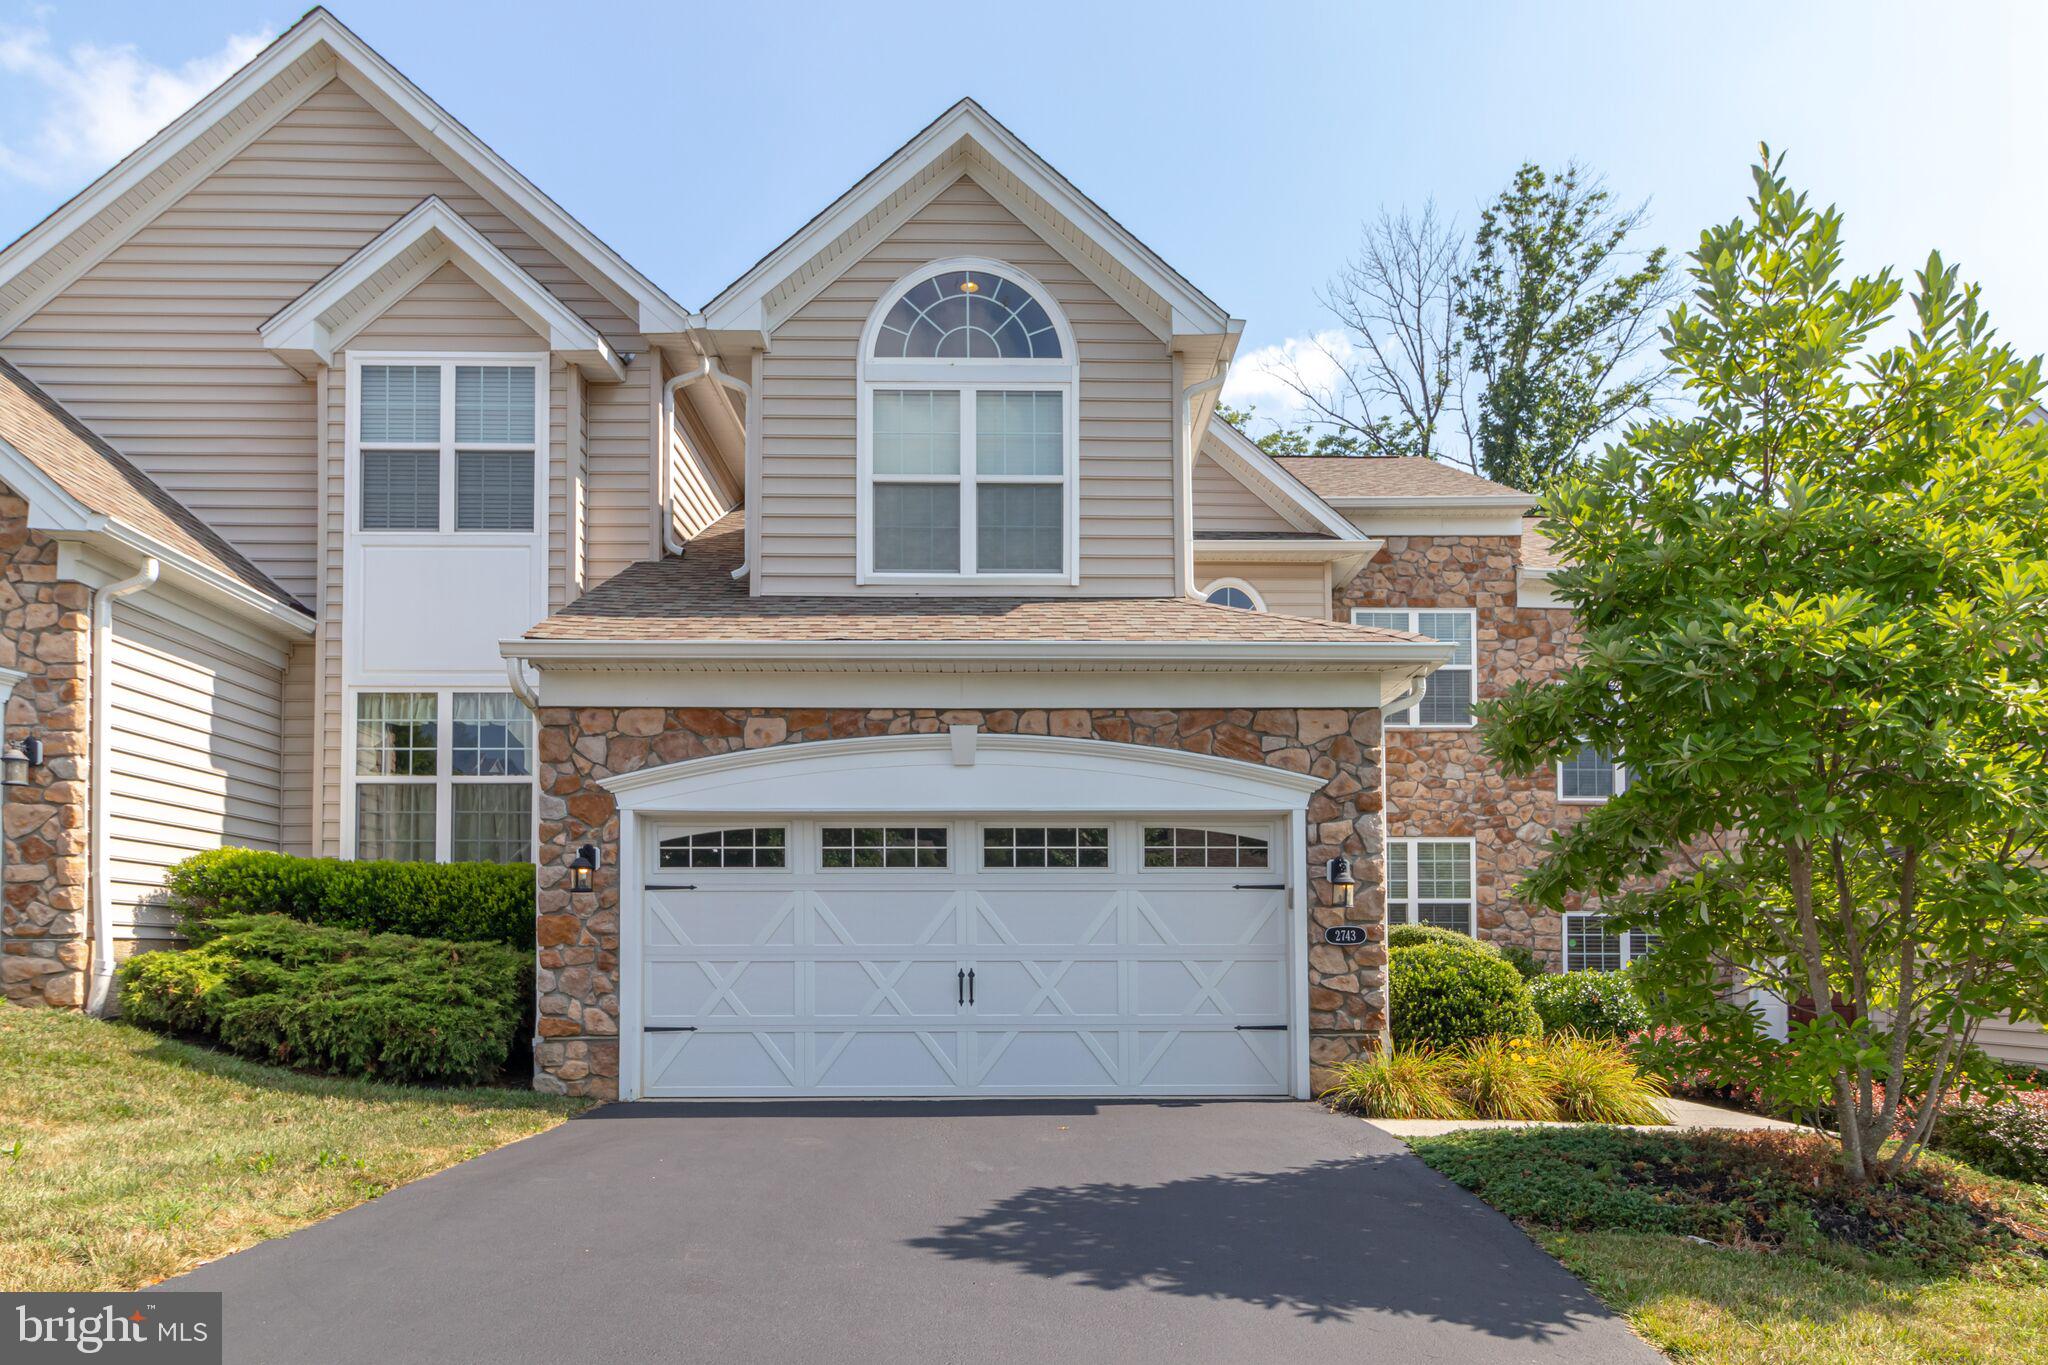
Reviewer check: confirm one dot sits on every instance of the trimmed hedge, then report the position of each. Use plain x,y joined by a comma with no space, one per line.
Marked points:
338,1000
1441,995
461,902
1597,1004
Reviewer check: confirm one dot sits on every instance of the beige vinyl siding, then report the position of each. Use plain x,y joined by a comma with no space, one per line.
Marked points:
808,400
2026,1043
619,439
156,347
301,748
327,642
1288,589
447,311
195,737
1222,503
699,493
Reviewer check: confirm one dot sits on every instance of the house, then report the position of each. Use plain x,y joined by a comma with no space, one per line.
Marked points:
904,681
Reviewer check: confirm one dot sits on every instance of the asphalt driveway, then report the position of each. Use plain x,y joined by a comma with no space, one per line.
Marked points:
1043,1231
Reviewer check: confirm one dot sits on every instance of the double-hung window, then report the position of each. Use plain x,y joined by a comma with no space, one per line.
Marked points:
1590,946
1429,881
1589,776
1447,700
443,776
968,433
446,446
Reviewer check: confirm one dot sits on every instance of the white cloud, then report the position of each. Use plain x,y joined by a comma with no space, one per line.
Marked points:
97,104
1256,379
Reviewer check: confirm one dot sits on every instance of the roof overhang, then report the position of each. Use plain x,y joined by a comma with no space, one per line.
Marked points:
70,522
321,47
1346,558
1274,485
307,332
1407,658
967,140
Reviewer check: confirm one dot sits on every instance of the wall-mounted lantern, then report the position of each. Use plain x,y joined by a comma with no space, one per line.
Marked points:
16,762
1343,886
583,872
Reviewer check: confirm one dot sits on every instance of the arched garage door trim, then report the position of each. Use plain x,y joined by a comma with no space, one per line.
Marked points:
963,771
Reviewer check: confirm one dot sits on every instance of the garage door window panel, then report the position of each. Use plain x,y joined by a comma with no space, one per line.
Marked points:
755,847
1178,846
1045,846
883,846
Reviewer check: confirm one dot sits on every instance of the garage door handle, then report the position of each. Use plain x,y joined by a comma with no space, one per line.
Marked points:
668,1028
1258,886
666,886
1262,1028
970,985
960,987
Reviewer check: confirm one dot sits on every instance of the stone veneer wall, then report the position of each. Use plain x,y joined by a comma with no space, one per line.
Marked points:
45,948
578,1051
1440,783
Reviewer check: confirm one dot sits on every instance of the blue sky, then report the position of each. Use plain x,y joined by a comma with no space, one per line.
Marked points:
1245,143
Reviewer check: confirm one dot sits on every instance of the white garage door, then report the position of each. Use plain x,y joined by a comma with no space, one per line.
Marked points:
941,956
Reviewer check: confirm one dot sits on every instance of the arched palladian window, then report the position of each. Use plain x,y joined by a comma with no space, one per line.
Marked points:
968,431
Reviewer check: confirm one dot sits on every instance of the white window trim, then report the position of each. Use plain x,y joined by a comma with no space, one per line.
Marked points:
444,779
1471,862
969,378
1629,952
1472,668
1620,786
445,533
1258,598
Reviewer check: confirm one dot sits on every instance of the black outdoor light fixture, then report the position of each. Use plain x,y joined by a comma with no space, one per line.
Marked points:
15,763
583,872
1343,886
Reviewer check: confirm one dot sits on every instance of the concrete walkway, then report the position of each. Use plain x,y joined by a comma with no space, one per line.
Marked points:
1686,1116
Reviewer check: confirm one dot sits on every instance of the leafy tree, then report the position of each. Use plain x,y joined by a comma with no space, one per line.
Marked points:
1815,619
1553,321
1505,353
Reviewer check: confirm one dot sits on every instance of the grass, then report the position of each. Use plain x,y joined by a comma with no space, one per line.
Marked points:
1559,1076
1739,1248
126,1157
1730,1307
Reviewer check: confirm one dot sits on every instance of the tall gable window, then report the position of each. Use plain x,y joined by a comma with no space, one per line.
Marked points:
968,432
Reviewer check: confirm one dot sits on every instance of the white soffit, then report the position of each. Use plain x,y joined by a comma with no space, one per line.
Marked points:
313,51
966,140
307,332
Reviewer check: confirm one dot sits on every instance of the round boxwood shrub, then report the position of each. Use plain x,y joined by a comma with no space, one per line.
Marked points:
1441,995
1596,1004
1414,935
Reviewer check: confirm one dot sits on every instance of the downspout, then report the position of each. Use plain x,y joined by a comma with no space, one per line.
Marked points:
1188,396
1406,699
96,765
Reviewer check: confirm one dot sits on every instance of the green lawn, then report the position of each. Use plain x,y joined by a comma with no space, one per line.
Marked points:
1745,1249
1758,1308
126,1158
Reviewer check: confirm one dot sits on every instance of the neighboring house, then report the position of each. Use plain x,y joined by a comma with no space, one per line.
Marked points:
936,697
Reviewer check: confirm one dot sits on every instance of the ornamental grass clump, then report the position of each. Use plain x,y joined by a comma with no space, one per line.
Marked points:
1398,1085
1593,1080
1504,1078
